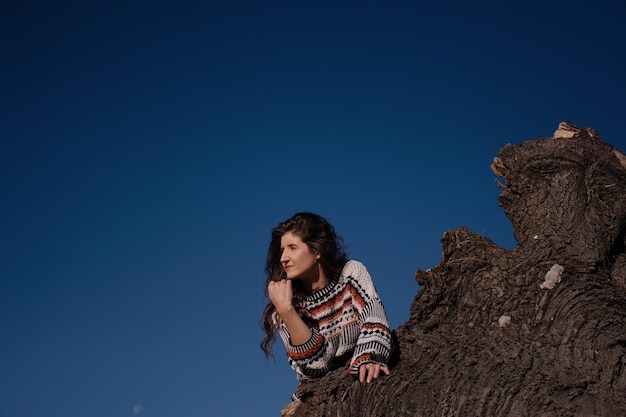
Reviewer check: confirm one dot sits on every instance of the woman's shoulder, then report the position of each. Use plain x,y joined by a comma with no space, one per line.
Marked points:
355,275
354,269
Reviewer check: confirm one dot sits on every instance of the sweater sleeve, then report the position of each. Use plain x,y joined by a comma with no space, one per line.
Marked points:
311,359
374,343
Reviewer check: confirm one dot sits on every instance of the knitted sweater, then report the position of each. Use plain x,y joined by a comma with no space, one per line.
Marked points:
346,317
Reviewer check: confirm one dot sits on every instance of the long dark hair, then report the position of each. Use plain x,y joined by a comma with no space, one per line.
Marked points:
320,236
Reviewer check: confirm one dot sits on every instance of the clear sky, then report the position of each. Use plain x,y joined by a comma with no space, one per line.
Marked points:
148,149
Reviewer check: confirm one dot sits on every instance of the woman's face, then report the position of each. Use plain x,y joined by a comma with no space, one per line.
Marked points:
297,259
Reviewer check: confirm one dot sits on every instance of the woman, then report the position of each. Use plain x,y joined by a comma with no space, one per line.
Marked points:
324,307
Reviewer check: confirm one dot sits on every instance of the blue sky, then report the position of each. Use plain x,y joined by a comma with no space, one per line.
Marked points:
148,149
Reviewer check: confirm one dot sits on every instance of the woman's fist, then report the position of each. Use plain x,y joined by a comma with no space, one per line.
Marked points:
281,295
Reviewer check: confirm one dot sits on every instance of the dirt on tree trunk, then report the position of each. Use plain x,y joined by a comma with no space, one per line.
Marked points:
535,331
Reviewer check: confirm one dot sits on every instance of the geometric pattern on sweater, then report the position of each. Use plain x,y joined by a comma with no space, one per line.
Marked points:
346,317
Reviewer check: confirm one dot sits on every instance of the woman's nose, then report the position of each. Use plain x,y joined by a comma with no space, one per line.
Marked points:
283,258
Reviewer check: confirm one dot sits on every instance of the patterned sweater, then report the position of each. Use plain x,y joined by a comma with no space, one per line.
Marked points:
347,319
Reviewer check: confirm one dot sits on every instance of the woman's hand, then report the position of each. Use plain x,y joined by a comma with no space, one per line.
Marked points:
281,295
370,371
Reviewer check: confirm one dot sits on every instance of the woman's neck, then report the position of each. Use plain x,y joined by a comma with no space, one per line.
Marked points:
317,283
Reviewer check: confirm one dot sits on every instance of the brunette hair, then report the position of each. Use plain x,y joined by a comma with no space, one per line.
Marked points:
320,236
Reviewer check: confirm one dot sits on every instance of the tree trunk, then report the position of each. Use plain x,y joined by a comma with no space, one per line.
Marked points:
535,331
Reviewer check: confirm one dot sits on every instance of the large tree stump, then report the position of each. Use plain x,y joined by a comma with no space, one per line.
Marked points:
535,331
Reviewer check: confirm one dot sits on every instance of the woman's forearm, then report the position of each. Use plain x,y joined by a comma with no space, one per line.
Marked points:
299,332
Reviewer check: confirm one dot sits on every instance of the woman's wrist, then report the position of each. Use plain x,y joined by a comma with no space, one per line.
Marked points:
286,311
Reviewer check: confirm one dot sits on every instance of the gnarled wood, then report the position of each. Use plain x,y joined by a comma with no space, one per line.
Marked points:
535,331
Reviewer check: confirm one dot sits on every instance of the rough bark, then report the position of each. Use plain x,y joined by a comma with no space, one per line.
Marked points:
535,331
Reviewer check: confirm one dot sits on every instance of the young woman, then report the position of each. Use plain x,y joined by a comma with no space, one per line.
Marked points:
324,307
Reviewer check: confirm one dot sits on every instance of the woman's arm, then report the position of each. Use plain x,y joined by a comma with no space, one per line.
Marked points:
307,350
374,344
